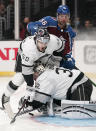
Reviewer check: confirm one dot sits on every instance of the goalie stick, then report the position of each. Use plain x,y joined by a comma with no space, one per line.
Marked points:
19,114
26,111
87,77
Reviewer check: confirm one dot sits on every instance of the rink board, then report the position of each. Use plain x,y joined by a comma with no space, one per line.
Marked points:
84,53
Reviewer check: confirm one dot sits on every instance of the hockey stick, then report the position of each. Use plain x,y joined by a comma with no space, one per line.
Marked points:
92,82
24,112
17,114
87,77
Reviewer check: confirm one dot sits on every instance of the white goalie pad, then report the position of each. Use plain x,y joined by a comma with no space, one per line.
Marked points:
78,109
8,110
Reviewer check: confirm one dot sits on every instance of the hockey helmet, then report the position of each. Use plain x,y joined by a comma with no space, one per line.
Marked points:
63,9
42,35
39,68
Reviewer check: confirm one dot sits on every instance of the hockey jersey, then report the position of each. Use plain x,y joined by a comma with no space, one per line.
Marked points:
55,83
51,24
30,53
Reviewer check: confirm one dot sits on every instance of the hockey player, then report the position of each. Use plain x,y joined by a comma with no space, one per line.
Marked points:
61,28
59,83
31,49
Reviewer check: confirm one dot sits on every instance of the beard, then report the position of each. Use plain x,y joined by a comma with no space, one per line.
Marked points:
62,24
43,50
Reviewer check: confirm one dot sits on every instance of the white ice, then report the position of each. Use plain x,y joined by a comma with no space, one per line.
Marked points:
26,122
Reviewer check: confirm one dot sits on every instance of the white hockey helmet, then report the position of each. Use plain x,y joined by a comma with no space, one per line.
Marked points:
42,35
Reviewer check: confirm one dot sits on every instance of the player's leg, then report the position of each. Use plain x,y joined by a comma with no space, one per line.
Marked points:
16,81
83,92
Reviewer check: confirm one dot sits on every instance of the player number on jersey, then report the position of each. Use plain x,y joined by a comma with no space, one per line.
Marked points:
25,58
64,71
44,22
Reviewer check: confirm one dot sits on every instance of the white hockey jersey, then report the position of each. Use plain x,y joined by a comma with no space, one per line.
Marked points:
55,83
30,53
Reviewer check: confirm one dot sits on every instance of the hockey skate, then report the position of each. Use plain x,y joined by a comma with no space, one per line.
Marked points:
5,99
6,106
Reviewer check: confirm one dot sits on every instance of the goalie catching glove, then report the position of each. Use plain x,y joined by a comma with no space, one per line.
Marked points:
29,96
30,93
31,102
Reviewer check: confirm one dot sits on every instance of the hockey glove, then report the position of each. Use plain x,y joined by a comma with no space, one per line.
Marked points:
29,96
30,93
69,63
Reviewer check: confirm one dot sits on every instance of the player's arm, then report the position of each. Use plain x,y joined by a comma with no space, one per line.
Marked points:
43,93
27,71
68,60
32,27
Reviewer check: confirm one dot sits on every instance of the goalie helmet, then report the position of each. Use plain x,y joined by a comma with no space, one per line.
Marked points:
42,35
63,9
39,68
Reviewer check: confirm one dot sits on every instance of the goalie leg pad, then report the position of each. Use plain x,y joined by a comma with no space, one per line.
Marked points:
83,92
8,110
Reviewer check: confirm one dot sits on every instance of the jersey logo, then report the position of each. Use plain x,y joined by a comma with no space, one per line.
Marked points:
62,39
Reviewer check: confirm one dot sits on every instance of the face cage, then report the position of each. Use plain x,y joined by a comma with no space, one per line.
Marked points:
39,70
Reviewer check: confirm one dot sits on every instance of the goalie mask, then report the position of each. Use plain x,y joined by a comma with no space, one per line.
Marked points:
39,69
42,35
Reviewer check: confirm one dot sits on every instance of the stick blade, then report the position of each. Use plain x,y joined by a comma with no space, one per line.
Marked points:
12,121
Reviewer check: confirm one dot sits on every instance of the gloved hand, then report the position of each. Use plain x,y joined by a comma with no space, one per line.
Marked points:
30,93
29,96
69,63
